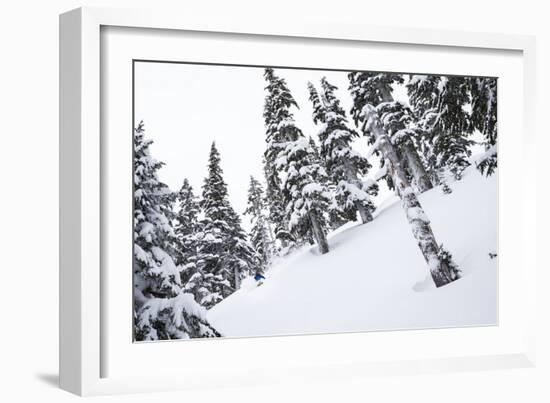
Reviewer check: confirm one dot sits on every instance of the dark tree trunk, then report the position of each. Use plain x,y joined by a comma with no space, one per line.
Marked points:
418,172
365,215
318,233
237,278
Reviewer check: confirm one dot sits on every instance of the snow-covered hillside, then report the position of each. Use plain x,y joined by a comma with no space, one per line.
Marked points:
374,276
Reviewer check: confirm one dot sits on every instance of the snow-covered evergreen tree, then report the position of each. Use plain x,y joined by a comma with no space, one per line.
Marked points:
439,104
278,102
214,229
367,93
400,125
186,229
319,111
259,234
304,190
484,119
186,222
338,215
224,254
162,309
344,165
382,96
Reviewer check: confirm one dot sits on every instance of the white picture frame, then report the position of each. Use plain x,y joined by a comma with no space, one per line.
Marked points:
82,345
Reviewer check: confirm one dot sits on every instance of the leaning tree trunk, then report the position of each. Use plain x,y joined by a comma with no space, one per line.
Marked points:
318,233
421,178
442,271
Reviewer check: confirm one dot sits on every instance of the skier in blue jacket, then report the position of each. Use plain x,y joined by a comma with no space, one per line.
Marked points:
259,277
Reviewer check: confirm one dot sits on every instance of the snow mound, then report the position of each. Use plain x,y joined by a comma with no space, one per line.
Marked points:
375,278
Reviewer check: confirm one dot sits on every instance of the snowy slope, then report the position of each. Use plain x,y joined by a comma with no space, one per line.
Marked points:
375,278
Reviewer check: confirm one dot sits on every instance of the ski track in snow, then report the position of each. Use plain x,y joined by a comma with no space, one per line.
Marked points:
375,278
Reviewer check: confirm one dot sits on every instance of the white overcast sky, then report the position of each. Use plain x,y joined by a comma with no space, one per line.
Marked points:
185,107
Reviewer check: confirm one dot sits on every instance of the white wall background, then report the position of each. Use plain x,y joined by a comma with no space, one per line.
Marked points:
29,187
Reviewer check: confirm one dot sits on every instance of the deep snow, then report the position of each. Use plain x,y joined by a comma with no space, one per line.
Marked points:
375,278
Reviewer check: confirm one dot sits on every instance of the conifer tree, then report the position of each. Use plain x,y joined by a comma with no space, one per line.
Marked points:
338,214
305,192
162,310
278,102
405,148
305,195
367,104
344,165
439,105
224,254
186,229
484,119
319,111
422,92
216,225
259,234
186,222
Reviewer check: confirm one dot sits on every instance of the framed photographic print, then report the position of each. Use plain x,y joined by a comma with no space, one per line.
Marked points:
337,197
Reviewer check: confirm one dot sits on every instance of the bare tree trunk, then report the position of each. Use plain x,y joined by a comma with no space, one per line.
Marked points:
237,278
440,270
421,178
318,233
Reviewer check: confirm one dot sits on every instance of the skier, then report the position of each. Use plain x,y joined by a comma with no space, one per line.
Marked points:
259,277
